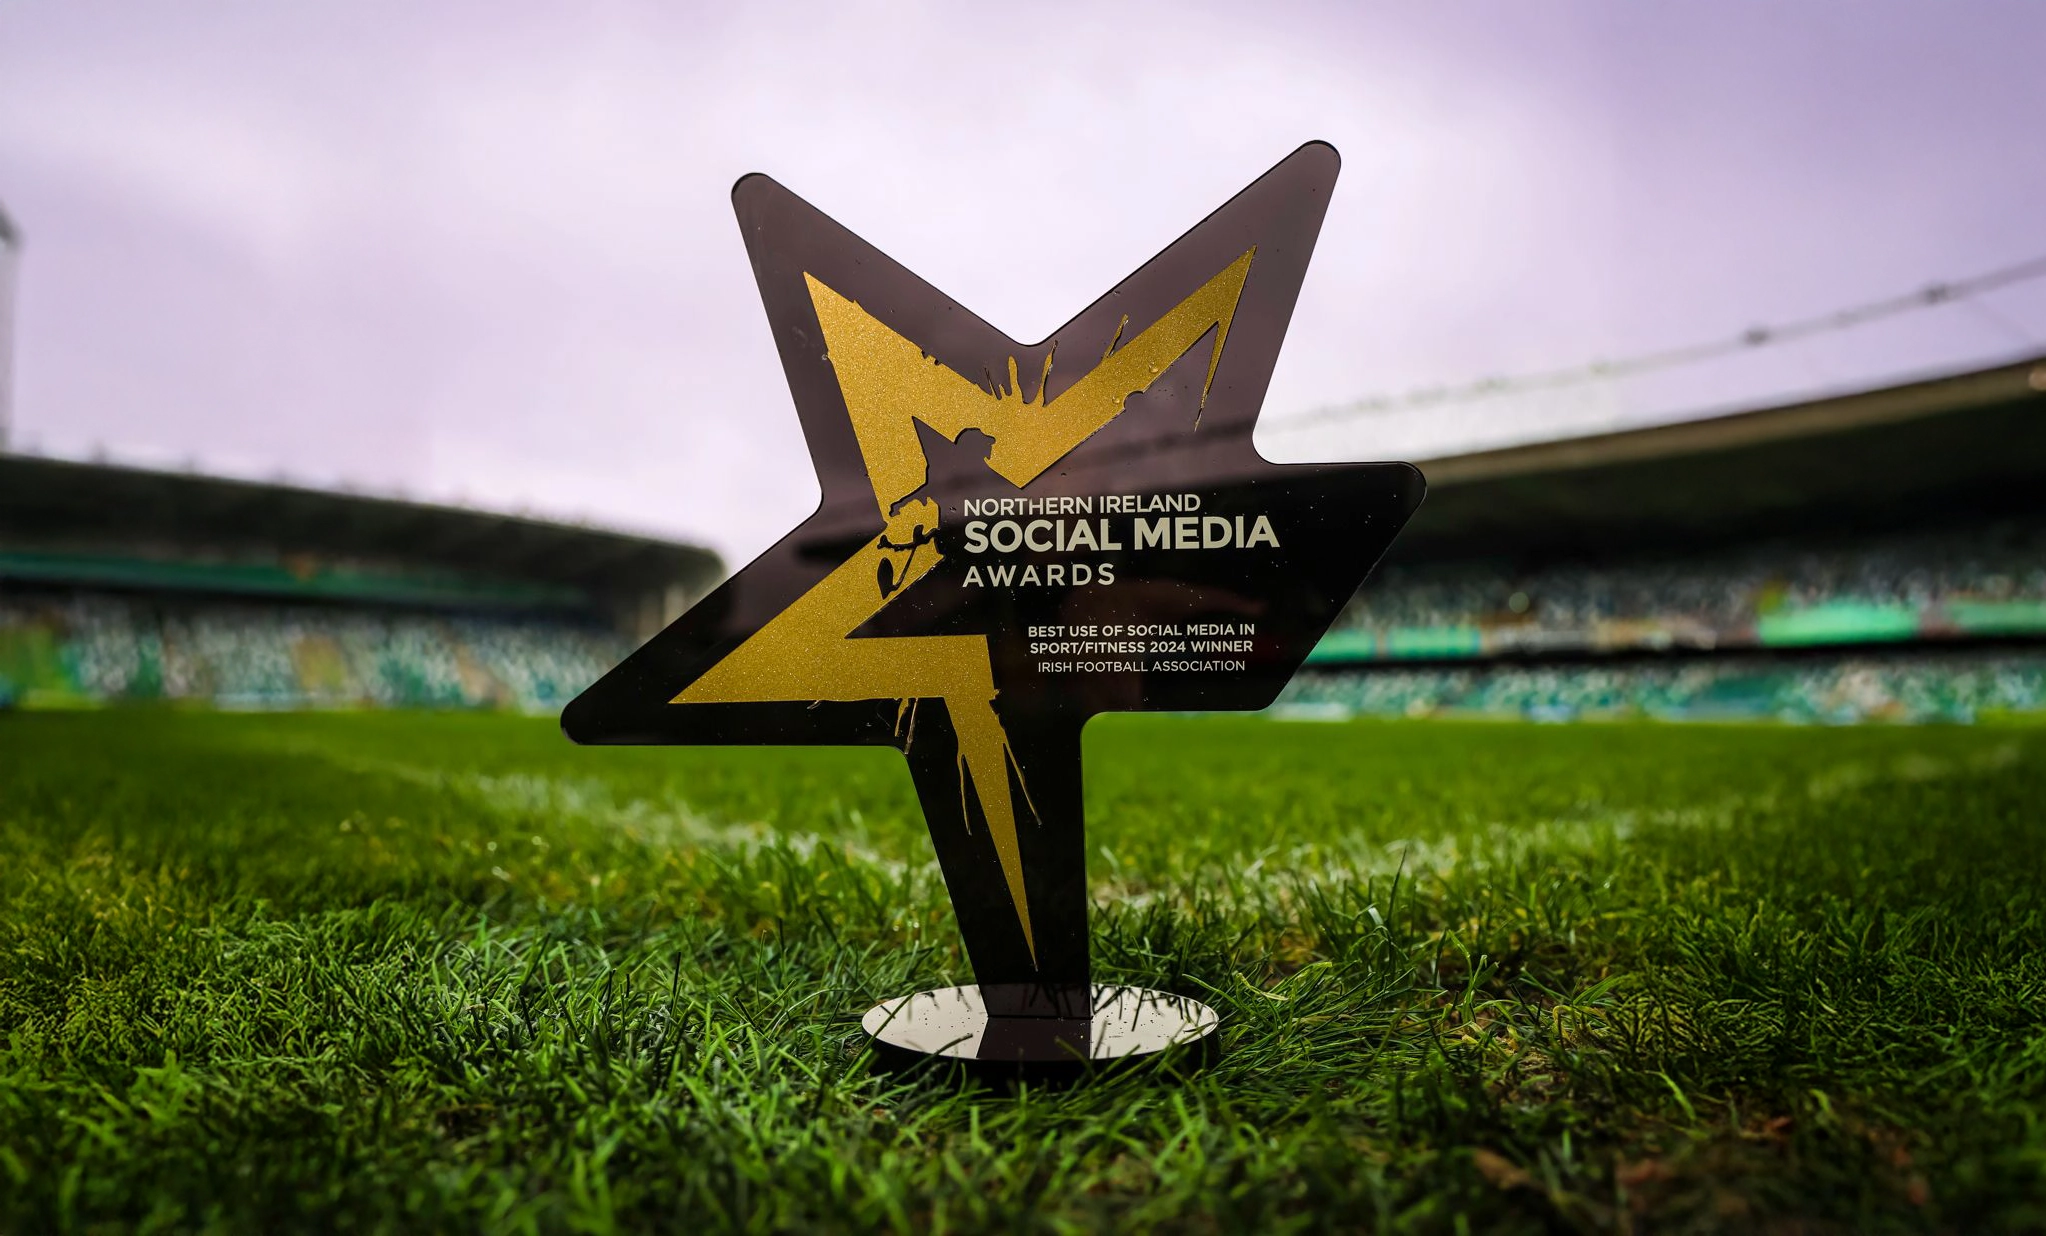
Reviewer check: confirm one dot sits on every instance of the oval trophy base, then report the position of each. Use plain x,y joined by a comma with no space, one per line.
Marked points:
1130,1024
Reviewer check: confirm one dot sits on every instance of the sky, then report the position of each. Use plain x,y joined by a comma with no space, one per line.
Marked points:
484,252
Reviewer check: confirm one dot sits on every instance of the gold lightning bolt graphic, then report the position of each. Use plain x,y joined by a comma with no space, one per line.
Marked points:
807,652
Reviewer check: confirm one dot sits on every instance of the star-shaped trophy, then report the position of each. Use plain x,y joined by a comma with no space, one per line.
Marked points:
1013,538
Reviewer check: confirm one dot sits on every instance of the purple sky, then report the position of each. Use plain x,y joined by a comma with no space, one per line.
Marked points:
484,251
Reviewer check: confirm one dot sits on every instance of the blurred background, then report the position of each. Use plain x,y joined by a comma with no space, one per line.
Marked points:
405,355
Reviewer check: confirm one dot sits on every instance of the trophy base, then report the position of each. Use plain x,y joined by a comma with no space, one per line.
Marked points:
951,1026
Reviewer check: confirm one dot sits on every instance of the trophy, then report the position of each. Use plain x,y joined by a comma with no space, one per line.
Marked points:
1013,538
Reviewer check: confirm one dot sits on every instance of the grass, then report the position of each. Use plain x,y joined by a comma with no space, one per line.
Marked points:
413,972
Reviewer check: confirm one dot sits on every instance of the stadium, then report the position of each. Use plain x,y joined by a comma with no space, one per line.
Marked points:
1868,556
367,865
1651,844
123,584
1871,556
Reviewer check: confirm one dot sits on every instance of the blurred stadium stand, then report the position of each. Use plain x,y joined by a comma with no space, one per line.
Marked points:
1880,554
121,583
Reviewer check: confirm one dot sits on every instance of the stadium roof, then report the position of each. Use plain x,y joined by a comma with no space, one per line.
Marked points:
64,516
1926,452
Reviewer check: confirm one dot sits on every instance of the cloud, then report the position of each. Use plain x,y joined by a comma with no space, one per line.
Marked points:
487,250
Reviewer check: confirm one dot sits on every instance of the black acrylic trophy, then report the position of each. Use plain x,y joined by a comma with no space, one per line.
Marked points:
1013,538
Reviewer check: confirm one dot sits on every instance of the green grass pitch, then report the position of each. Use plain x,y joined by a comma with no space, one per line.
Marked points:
419,972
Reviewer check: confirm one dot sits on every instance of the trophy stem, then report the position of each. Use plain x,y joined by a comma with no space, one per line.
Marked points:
1035,1011
1038,970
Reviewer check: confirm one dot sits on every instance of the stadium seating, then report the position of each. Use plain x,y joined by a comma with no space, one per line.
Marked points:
1556,642
81,646
1958,687
1563,641
1989,581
